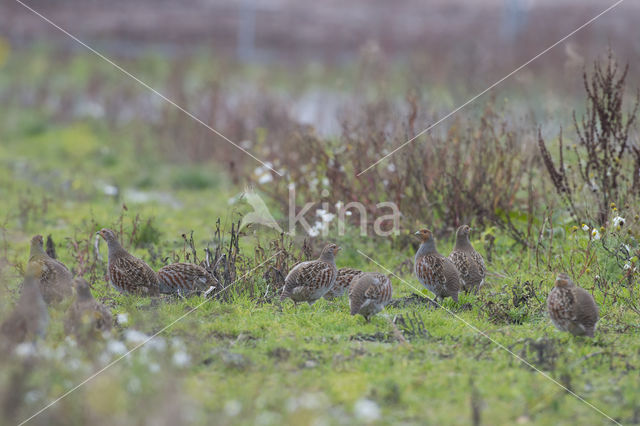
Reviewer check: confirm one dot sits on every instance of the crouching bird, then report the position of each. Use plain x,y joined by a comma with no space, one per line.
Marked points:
572,308
309,281
369,293
87,318
185,278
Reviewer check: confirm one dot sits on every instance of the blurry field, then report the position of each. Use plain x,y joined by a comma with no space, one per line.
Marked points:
83,147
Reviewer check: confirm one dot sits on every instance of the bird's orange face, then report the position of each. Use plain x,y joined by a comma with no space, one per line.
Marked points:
107,234
424,235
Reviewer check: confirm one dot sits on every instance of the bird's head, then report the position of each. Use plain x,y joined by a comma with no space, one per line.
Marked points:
331,249
37,241
464,231
107,234
563,280
425,235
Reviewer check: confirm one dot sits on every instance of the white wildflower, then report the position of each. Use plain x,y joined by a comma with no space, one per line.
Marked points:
265,178
325,215
627,266
366,410
25,349
391,167
123,318
595,234
116,347
618,221
181,359
135,336
585,227
157,343
32,396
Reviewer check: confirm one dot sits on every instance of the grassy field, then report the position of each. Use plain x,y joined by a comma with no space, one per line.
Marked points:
244,357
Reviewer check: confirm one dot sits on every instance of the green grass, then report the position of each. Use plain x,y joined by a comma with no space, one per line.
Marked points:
247,361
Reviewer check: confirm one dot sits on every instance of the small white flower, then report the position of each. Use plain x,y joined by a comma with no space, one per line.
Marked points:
181,359
32,396
135,336
585,227
123,318
595,234
116,347
627,266
391,167
25,349
366,410
618,221
265,178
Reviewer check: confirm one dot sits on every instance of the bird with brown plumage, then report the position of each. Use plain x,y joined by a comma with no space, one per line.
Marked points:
369,293
572,308
309,281
343,281
468,261
185,278
87,319
127,273
434,271
54,277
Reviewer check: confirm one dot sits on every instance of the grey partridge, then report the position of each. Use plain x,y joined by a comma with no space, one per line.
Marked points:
185,278
30,317
127,273
309,281
87,318
369,293
434,271
469,262
54,278
344,279
572,308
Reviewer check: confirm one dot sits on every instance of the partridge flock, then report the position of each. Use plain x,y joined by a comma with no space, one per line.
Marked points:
49,283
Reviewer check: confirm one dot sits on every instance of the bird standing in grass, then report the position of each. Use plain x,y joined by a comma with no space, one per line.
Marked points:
572,308
369,293
54,277
87,318
127,273
185,278
30,318
434,271
468,261
309,281
344,279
